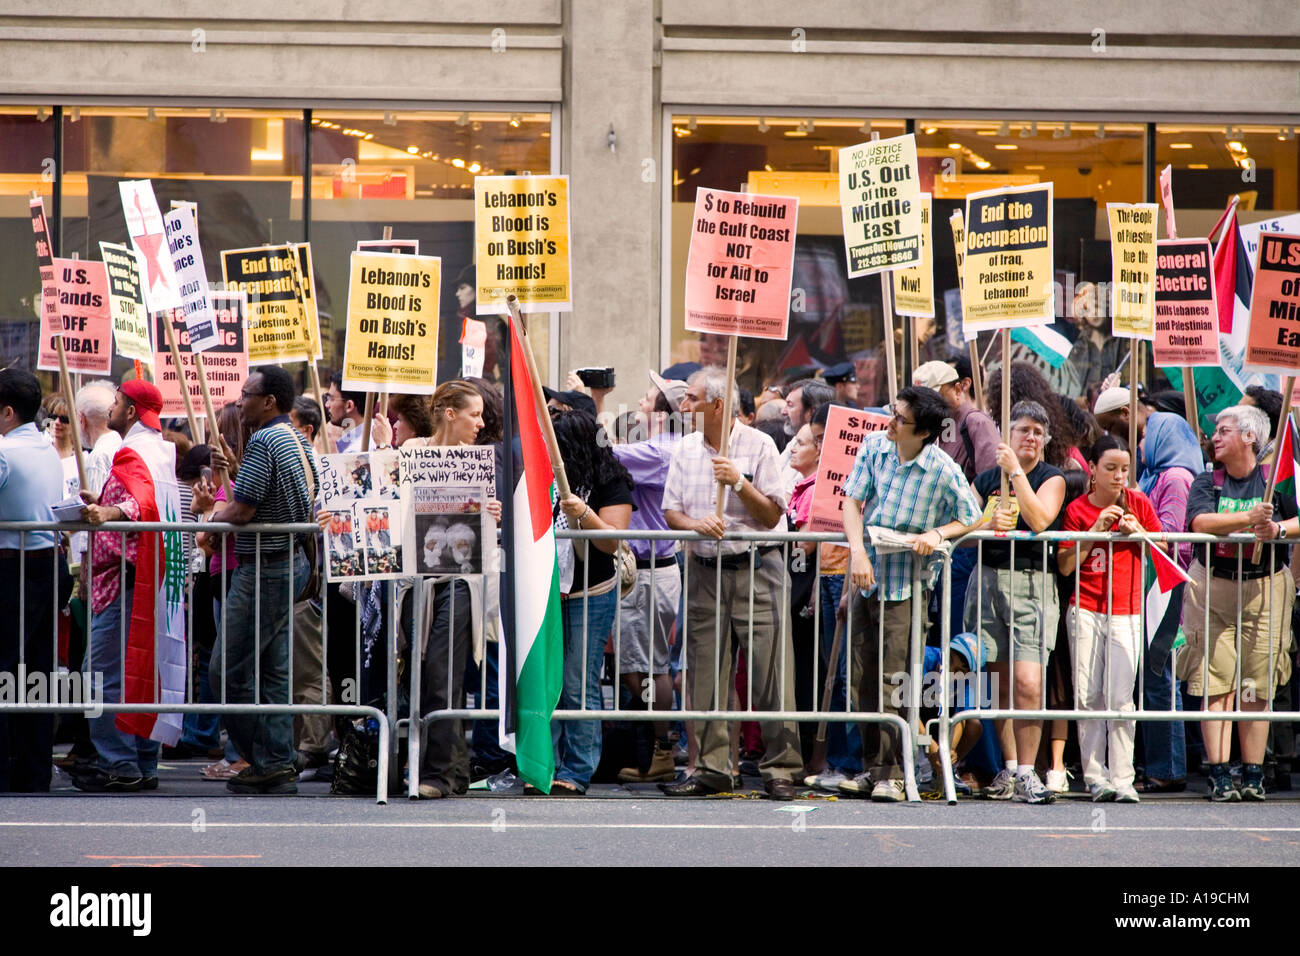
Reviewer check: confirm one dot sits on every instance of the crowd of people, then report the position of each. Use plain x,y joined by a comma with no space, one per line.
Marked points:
705,623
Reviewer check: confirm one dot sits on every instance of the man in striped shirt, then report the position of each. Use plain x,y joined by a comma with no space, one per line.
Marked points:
276,485
915,488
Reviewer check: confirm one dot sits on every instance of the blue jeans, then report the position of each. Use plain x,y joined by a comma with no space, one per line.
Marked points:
484,741
119,753
1165,744
264,740
577,742
843,743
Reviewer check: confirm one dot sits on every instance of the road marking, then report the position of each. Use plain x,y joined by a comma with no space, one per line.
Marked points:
488,825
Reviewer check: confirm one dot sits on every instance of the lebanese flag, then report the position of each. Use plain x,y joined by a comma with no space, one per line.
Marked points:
1164,606
1285,464
533,672
155,666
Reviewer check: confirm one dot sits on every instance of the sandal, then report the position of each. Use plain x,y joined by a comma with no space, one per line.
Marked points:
223,769
565,788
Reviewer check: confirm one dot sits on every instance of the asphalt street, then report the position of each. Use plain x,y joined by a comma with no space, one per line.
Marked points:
190,822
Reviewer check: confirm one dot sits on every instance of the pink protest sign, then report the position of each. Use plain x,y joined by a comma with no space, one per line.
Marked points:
1273,345
740,264
1186,330
81,297
845,429
45,264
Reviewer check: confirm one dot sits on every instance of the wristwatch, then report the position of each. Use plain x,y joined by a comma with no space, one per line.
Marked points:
1281,531
739,483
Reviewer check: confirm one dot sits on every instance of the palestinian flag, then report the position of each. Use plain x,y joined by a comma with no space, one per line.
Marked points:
1285,464
532,672
1045,342
1164,582
156,657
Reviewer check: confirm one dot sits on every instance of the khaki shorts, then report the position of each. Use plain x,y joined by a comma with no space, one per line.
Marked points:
1258,642
648,620
994,594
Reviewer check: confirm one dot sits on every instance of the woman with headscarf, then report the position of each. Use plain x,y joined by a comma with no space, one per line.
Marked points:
1173,458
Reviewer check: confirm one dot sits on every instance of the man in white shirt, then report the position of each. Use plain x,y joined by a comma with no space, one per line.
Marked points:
94,402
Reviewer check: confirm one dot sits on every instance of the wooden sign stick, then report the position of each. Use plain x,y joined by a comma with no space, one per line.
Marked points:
887,310
369,415
1257,554
548,427
212,420
1132,413
1006,407
976,378
727,414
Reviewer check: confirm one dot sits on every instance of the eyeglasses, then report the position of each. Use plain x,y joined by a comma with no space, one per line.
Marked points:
1225,430
1028,431
893,413
244,393
62,419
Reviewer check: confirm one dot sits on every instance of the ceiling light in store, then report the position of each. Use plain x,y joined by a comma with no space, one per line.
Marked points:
1004,129
389,118
462,119
806,125
865,128
931,130
458,163
1288,133
42,114
515,120
1180,145
1062,133
762,125
767,167
413,150
474,167
692,123
151,115
1198,166
75,114
214,116
986,132
1036,167
1101,130
795,132
679,131
368,136
1005,146
1030,130
954,145
982,164
1237,145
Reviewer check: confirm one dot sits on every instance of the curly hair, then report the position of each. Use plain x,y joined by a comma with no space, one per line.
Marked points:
585,450
1028,384
417,412
494,412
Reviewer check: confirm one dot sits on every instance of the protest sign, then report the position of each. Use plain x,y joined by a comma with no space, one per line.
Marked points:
1167,197
51,325
1132,268
126,305
144,224
225,364
305,290
521,241
914,286
1273,345
181,223
451,528
740,263
81,297
1007,278
880,205
1187,318
845,430
277,329
392,330
405,247
473,347
448,465
366,536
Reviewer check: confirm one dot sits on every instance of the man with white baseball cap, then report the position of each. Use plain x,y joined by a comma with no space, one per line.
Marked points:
649,610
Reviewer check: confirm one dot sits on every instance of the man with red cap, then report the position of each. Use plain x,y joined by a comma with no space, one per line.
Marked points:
131,572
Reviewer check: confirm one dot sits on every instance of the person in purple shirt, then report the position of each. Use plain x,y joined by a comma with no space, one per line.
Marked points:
649,611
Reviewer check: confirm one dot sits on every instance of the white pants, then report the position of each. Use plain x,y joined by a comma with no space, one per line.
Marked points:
1105,670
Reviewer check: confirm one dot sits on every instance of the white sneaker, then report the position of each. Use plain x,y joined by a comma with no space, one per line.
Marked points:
1101,792
888,791
1058,781
826,780
859,786
1126,795
1002,787
1030,789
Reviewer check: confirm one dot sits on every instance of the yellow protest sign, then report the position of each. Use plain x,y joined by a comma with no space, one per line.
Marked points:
277,322
521,238
392,336
1132,269
1007,277
914,286
879,205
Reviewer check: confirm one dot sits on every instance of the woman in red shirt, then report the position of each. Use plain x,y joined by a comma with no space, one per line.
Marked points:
1104,616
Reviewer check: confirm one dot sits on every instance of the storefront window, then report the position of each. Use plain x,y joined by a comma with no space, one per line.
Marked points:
26,164
414,172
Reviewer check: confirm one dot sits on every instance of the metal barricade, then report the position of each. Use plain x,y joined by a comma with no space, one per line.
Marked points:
584,642
167,700
1115,711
